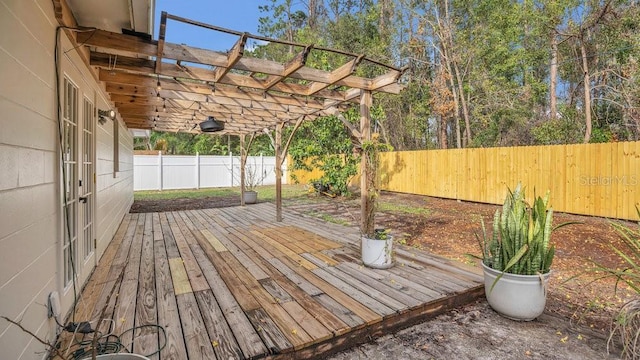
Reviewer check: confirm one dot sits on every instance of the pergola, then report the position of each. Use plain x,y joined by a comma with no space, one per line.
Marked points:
155,84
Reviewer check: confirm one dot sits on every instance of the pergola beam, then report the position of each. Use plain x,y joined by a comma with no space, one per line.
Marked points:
161,38
289,68
128,83
141,48
233,56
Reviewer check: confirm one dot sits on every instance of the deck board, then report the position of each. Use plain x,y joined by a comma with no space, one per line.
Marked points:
146,308
124,313
168,316
228,283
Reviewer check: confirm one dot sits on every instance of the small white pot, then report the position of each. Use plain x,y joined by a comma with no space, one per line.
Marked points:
250,197
517,297
376,253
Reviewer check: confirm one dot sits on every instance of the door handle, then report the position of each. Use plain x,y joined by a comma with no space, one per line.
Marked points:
83,199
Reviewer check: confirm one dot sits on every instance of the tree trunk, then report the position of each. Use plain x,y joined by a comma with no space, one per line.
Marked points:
463,102
313,14
442,132
587,92
553,75
456,104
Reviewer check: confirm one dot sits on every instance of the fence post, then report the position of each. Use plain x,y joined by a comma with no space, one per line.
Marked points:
197,170
261,169
231,162
160,170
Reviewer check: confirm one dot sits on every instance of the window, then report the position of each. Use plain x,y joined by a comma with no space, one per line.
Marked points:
87,184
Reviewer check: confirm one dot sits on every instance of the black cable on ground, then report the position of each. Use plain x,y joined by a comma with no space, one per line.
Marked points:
112,344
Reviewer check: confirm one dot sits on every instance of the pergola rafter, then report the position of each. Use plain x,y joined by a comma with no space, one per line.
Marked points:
247,93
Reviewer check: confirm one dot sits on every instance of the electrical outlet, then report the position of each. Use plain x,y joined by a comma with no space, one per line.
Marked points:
53,304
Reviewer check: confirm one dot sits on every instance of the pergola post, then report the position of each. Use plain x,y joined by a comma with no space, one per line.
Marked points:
243,163
367,180
281,153
279,161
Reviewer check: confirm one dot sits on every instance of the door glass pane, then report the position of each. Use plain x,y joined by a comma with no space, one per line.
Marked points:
87,179
70,183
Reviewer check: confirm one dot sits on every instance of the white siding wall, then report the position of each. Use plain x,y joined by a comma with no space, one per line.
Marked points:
30,200
115,192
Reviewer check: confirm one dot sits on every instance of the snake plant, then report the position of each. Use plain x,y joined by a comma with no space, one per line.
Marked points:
519,243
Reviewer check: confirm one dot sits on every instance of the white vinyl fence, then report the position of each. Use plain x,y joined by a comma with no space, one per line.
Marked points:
165,172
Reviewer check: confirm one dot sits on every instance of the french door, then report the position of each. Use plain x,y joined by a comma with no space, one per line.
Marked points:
78,179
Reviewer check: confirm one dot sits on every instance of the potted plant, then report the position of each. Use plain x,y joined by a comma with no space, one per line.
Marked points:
376,244
252,178
377,250
517,257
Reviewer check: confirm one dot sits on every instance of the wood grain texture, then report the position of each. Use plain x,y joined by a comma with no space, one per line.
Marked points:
220,334
124,313
260,300
181,284
168,316
245,334
197,340
146,338
183,238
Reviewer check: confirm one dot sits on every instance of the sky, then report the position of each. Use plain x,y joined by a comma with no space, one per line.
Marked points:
239,15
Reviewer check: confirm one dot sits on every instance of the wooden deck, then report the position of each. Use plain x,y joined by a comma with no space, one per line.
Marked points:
230,283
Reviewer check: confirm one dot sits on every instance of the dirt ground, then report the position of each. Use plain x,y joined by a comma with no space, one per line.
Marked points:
579,310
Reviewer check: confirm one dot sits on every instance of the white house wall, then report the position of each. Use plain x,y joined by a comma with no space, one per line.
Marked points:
30,200
114,193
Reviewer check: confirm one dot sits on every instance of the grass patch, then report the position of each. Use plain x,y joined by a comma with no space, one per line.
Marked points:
404,209
184,193
330,219
265,193
268,193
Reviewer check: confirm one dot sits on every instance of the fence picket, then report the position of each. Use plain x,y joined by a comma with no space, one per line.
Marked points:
166,172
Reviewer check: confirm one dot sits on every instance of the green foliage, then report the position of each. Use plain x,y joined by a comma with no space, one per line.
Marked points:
326,144
628,253
496,54
558,131
403,208
626,324
206,144
266,193
519,243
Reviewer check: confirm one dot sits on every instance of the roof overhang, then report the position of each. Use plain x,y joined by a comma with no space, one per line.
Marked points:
115,15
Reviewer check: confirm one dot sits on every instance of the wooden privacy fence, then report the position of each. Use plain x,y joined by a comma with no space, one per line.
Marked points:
589,179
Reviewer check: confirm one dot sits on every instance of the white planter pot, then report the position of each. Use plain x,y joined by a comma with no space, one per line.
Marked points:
517,297
377,254
250,197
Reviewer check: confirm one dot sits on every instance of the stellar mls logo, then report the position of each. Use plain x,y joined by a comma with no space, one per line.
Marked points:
624,180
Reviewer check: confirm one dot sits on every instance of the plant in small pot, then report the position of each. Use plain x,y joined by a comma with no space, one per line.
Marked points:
252,178
376,244
517,257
